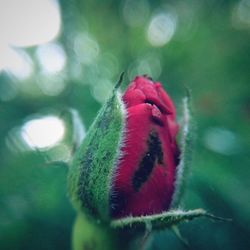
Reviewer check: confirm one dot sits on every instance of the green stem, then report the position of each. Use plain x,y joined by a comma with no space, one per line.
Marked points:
89,234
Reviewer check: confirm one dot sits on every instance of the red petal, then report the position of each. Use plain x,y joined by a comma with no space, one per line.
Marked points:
144,180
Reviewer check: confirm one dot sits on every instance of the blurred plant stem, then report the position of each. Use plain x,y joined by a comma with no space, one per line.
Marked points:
89,234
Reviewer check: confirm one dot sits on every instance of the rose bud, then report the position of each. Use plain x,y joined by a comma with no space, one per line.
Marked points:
129,169
145,176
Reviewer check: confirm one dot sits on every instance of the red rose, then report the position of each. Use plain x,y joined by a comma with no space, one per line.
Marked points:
128,172
145,176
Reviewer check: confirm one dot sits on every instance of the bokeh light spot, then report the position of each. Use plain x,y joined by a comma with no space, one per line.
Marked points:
51,85
51,57
29,22
86,48
241,15
221,140
161,29
43,132
101,90
16,62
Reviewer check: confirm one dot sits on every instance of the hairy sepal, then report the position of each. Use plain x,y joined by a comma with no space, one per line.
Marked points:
162,220
92,169
186,146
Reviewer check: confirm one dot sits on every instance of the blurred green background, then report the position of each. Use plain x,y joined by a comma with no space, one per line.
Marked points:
69,54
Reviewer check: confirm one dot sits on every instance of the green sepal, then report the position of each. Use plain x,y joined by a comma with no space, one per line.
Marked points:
93,166
186,147
162,220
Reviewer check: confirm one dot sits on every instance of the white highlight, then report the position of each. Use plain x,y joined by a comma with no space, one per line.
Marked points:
15,62
43,132
51,57
25,23
28,22
161,29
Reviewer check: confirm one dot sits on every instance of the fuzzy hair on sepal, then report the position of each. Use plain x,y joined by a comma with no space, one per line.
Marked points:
91,171
186,146
163,220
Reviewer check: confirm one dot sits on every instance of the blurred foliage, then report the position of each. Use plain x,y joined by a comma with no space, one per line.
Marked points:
207,48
